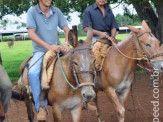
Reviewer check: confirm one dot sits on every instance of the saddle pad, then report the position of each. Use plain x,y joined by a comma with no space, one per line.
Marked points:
100,50
48,68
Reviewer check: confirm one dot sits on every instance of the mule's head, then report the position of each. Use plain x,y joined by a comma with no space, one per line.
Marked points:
148,46
82,64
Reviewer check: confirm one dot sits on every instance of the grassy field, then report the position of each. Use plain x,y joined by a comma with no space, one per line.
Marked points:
13,57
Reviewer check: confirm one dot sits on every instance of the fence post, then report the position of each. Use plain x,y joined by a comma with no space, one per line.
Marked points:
74,28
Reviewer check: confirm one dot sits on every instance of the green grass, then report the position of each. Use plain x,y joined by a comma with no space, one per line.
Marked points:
121,36
13,57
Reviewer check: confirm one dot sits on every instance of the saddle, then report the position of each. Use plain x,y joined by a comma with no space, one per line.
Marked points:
47,70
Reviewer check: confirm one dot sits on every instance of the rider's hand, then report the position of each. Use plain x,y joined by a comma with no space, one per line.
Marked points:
103,35
111,38
65,48
54,48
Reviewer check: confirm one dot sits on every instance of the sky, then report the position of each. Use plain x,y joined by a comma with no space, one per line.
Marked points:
74,16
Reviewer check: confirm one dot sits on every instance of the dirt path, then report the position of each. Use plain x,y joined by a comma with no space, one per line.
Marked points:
142,94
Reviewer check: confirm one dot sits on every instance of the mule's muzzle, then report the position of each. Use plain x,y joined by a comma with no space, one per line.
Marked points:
158,65
89,97
88,93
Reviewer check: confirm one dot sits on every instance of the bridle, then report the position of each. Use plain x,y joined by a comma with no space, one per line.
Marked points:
149,59
145,56
79,85
82,72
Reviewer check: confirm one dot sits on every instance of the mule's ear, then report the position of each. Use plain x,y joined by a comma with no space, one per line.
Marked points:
145,26
135,30
89,34
72,38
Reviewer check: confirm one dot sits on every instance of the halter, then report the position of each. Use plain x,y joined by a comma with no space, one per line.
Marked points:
145,56
82,72
149,59
79,85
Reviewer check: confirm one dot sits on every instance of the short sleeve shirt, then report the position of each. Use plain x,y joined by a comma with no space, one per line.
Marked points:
93,15
45,27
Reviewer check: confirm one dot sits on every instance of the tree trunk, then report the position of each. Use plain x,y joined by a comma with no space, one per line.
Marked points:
155,22
146,12
159,29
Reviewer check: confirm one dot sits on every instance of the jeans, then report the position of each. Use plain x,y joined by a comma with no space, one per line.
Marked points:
5,88
34,78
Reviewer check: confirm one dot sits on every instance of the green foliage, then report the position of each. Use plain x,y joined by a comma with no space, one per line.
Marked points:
124,20
8,38
14,7
67,6
80,30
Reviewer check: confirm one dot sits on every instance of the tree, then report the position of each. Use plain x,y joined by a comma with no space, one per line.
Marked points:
149,10
124,20
145,10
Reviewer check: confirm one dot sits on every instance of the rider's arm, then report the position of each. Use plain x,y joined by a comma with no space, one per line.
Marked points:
34,37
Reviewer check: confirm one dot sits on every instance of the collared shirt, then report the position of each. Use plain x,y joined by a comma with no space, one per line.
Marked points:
46,27
93,15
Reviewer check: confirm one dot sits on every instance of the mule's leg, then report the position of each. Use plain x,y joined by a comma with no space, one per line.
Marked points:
125,92
76,113
123,95
56,113
98,112
110,92
2,114
28,103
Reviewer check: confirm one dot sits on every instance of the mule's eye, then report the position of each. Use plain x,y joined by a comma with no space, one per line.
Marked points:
75,63
148,45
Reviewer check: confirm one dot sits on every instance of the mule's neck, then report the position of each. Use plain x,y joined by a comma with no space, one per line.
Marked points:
128,48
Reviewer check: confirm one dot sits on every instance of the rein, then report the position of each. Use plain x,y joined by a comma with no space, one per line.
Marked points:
145,57
59,60
79,85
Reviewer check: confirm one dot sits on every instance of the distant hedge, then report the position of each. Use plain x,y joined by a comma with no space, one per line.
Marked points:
11,38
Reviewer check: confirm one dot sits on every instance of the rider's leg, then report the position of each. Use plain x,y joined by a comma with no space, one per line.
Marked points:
34,78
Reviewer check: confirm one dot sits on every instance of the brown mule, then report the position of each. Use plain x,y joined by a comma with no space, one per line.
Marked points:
78,66
117,73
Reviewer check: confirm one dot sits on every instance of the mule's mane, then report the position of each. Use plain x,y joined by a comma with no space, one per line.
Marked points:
130,35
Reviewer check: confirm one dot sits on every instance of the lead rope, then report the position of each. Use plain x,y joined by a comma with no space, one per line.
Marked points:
145,58
60,65
133,102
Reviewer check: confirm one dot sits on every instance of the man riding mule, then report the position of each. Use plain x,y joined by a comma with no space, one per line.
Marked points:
5,92
72,80
42,22
117,73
